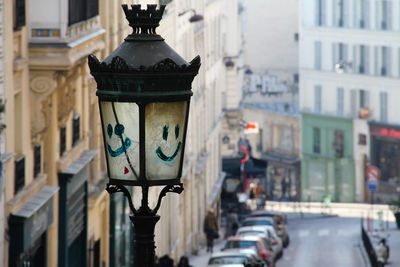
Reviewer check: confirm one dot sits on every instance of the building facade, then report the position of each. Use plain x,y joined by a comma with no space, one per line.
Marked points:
274,49
348,76
272,107
53,154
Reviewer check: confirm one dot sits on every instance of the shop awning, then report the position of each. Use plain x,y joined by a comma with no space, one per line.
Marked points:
274,157
216,189
32,219
252,166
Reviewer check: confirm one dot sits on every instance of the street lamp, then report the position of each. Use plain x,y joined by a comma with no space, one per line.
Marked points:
144,91
195,18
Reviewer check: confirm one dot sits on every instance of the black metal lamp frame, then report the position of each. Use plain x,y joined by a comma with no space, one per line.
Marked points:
136,73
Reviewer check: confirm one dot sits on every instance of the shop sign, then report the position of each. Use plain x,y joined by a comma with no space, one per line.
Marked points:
385,131
251,128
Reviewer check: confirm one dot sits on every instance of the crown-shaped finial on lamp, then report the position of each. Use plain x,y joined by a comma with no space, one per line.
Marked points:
143,21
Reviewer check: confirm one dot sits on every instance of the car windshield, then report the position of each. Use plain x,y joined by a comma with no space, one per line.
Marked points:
228,260
241,244
257,222
250,232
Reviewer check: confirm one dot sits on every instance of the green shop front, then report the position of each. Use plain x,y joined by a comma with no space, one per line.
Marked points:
28,229
121,232
327,164
73,205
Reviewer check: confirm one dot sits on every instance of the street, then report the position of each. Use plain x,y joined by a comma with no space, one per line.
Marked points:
315,240
323,241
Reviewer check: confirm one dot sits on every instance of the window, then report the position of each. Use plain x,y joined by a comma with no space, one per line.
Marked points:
37,160
320,12
317,55
283,138
296,78
340,100
81,10
317,98
363,59
363,10
383,107
363,99
338,144
339,21
63,139
19,174
362,139
385,61
384,14
316,140
76,129
19,14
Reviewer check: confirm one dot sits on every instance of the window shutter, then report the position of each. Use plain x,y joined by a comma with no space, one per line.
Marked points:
389,16
340,101
383,106
388,61
366,60
353,103
367,14
334,55
317,98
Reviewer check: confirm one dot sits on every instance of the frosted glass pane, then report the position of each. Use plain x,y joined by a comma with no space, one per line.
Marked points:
121,134
165,123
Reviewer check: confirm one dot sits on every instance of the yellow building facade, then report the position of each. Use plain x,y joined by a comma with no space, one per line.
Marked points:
54,165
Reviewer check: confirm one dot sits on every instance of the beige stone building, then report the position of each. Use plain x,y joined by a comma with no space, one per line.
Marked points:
55,204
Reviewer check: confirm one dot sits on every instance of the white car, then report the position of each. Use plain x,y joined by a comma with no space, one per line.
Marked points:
232,258
269,232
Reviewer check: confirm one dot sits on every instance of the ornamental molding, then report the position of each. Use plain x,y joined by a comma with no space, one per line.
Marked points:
42,84
119,65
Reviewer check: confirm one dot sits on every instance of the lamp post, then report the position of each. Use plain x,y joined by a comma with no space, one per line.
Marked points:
194,18
144,91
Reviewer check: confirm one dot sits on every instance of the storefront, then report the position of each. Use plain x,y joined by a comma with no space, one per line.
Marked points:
121,232
327,163
283,177
73,205
28,227
385,154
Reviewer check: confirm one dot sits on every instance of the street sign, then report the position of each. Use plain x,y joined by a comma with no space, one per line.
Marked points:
373,172
372,184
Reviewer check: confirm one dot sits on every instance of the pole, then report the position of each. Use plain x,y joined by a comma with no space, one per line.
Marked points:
144,244
372,211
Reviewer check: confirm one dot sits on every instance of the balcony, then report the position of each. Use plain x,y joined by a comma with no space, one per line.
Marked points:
61,22
62,32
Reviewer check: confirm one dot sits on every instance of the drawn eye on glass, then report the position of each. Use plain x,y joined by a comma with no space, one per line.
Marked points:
125,142
159,151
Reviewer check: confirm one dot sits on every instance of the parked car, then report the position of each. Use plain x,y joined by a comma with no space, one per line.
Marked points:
280,220
257,242
268,232
233,257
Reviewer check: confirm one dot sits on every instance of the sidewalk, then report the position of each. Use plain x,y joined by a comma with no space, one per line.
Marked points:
393,241
202,257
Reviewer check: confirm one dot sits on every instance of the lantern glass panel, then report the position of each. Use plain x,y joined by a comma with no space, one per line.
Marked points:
121,136
165,129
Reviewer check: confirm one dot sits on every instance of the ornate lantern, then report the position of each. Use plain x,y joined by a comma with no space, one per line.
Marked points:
144,91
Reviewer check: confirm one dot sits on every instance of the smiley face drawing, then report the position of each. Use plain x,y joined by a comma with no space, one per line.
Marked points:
125,144
159,150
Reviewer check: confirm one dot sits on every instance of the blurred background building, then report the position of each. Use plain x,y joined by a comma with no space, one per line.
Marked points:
349,70
56,211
